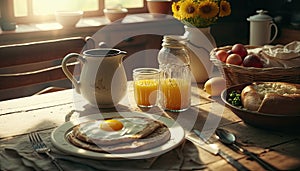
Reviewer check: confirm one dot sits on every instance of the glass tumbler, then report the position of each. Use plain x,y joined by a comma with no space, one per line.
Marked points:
175,74
146,85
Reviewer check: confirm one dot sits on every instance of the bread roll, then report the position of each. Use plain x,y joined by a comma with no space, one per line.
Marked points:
272,97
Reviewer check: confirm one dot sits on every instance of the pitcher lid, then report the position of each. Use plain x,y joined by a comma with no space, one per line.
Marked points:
103,52
261,16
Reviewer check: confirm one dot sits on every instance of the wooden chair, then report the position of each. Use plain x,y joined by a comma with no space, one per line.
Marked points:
34,68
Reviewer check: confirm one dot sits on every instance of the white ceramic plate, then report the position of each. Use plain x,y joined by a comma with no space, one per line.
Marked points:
59,139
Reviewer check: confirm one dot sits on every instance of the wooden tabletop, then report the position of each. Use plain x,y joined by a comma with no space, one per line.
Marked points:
47,111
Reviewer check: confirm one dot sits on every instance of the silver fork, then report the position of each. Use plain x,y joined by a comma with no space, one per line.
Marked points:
40,147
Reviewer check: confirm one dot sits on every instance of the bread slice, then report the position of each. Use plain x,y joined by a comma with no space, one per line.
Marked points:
158,137
272,97
150,126
251,99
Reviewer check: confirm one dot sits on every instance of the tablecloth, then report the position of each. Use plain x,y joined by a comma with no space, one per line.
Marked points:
17,154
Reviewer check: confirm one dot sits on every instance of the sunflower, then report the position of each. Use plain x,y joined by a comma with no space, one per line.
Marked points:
200,13
176,9
208,9
188,9
225,9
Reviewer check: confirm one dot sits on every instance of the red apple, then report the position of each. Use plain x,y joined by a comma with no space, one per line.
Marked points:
234,59
222,55
240,50
252,61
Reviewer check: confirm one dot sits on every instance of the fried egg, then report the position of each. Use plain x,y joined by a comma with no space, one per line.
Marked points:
111,125
115,128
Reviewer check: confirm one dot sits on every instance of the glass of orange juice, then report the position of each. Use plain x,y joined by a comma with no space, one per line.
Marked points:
176,94
146,84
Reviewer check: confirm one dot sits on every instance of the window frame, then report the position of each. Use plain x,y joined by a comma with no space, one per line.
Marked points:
7,12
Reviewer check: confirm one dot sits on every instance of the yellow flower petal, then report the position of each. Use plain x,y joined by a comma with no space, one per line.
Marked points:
208,9
188,9
225,9
175,9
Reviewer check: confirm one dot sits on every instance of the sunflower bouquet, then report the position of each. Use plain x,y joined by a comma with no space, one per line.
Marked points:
200,13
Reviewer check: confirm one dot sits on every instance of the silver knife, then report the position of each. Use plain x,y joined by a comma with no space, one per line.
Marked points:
213,149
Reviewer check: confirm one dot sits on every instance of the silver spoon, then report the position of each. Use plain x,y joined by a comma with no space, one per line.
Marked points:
229,138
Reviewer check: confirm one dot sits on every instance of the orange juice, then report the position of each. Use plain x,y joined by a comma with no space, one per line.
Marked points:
145,92
176,94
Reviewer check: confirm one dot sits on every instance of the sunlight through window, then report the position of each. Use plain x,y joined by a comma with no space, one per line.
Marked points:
20,8
48,26
46,7
26,11
122,3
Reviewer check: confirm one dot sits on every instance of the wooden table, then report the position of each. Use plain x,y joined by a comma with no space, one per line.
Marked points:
45,112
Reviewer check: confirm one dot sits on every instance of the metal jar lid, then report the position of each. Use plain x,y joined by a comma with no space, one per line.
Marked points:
261,16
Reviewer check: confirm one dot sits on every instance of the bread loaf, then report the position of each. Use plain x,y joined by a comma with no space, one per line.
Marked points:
272,97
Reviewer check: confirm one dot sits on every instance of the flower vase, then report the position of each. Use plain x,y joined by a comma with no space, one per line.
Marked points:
200,44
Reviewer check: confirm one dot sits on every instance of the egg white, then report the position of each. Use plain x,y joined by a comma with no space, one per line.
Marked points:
130,125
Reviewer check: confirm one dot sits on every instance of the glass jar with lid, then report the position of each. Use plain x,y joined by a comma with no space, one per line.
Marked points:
175,77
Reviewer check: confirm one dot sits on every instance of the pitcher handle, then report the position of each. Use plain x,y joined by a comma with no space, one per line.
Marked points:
276,31
67,72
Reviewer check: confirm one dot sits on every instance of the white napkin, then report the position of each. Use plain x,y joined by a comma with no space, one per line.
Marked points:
287,52
17,154
280,55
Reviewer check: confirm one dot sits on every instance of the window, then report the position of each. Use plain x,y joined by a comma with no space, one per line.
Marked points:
24,11
46,7
124,3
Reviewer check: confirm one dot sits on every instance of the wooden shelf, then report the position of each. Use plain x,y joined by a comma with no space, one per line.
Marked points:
86,27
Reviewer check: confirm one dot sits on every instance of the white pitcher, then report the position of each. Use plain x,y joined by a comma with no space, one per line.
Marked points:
261,29
103,80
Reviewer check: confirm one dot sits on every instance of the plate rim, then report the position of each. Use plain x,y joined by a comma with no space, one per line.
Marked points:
60,142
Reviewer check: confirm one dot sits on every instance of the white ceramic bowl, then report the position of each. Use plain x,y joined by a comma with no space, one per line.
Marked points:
115,14
68,18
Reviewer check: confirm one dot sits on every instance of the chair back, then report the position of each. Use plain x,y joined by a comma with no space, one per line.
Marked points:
32,68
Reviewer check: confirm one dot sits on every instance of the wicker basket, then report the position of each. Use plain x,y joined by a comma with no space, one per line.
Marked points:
235,74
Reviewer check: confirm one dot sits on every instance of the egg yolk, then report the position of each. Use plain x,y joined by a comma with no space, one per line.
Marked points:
111,125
